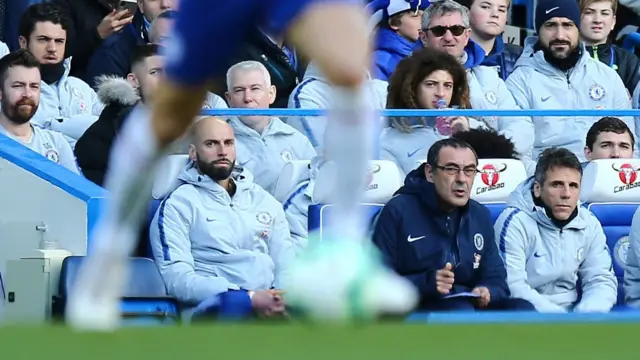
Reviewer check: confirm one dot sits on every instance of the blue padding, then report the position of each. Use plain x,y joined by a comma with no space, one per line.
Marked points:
614,214
488,317
319,215
145,280
495,209
74,184
153,208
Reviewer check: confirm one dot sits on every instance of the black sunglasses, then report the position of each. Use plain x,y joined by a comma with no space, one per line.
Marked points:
439,31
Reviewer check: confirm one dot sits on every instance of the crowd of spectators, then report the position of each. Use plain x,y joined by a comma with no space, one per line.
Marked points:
84,66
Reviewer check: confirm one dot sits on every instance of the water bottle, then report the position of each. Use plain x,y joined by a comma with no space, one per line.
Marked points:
48,244
443,125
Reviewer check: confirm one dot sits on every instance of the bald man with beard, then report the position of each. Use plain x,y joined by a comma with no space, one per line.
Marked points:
218,235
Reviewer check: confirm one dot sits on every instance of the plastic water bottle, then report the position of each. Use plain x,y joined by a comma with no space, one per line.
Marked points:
443,125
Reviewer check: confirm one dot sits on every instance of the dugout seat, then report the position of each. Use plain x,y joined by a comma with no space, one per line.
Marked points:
611,191
145,300
495,181
293,172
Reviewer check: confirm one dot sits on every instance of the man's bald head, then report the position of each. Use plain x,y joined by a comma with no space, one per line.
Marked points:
213,147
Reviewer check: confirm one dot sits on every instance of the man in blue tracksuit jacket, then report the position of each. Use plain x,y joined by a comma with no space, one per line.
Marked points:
422,241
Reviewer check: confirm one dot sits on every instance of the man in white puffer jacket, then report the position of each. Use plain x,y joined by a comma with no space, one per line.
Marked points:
218,230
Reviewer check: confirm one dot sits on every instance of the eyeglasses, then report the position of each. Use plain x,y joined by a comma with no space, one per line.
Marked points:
454,170
439,31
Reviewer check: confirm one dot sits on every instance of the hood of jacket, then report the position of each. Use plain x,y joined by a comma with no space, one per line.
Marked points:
535,59
389,41
116,90
522,198
474,55
275,127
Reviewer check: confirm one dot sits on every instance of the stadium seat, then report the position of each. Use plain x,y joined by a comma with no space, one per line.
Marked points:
496,181
611,189
291,175
145,299
383,181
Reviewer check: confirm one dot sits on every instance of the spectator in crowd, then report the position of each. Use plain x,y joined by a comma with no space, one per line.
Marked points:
160,29
121,95
445,26
596,23
609,138
556,72
68,104
264,143
419,82
488,19
217,231
91,22
20,98
398,33
488,144
314,92
432,233
113,57
555,250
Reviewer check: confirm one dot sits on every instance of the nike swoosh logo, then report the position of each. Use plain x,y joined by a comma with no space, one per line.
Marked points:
550,10
545,98
210,220
411,239
538,255
410,154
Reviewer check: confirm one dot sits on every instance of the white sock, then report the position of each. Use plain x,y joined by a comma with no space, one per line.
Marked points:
349,144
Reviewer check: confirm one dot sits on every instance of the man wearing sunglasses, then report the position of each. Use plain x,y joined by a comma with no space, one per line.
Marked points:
431,233
555,71
445,26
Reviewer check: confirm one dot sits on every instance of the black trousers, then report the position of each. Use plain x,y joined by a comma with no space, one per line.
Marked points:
467,304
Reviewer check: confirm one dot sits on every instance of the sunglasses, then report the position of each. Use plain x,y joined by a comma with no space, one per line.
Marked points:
439,31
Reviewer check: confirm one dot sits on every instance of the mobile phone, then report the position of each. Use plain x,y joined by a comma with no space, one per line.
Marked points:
132,6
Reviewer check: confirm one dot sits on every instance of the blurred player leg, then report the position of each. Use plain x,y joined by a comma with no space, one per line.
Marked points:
335,35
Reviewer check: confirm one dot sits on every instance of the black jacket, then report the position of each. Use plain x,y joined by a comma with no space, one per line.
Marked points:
622,61
284,76
113,57
83,37
503,56
417,238
94,146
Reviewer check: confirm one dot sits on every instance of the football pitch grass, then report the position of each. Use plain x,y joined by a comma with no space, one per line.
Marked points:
383,341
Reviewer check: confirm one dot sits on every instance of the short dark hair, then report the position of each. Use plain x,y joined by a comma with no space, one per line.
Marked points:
488,144
608,124
141,52
553,158
42,12
433,156
16,58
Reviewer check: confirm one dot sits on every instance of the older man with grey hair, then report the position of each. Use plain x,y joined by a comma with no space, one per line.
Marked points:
445,26
264,144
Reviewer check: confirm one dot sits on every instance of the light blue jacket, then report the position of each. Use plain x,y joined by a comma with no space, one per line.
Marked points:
265,154
206,242
489,91
69,106
536,84
409,150
314,92
632,264
544,263
296,206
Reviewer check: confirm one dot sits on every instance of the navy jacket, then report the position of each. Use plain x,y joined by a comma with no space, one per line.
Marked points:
416,240
503,56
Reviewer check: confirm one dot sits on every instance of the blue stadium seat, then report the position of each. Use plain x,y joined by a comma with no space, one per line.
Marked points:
616,222
495,209
319,215
153,208
145,301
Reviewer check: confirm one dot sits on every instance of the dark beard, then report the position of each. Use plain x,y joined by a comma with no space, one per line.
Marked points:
216,173
564,64
18,114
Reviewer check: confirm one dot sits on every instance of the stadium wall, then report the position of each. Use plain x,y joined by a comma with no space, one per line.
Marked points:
42,200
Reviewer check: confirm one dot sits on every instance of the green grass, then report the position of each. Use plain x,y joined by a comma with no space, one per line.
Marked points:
392,341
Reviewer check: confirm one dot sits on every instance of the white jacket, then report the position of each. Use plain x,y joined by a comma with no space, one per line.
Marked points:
265,154
205,241
544,263
314,92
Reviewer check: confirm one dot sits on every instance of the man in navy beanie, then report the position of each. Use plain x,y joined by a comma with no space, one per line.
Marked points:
556,72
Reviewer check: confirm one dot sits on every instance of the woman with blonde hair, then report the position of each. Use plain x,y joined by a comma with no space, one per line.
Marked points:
428,79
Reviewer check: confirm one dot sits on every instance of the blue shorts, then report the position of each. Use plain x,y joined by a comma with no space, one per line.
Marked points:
207,33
